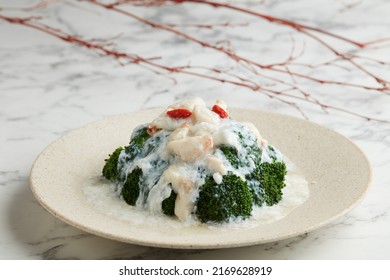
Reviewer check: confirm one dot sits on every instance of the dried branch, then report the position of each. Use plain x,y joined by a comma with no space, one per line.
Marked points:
235,57
291,90
302,28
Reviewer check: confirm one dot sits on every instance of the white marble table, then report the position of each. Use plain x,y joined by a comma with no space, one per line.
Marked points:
49,87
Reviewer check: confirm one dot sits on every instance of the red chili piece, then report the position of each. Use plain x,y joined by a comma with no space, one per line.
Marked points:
179,113
221,112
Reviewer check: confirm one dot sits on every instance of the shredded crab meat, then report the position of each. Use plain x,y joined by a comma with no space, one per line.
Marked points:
183,187
191,148
216,165
204,115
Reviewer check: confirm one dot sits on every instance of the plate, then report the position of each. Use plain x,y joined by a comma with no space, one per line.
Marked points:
338,173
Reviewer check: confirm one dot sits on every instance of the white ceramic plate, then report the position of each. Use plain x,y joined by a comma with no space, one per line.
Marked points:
338,171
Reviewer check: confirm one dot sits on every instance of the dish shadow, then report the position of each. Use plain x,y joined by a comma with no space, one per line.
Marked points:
40,235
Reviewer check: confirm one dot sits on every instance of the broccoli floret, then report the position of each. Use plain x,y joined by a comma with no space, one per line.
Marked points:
254,185
168,204
110,169
137,141
272,181
251,150
140,136
267,180
220,202
131,187
231,155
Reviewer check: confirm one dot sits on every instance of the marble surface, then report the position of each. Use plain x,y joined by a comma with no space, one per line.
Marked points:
49,87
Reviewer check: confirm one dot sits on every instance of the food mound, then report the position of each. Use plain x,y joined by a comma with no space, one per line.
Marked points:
197,163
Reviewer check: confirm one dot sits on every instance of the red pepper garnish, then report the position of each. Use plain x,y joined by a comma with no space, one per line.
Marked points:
221,112
179,113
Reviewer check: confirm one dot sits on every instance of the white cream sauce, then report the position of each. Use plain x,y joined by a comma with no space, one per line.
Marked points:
102,196
184,147
189,145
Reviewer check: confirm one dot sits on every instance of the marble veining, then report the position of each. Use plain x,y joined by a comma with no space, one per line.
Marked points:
49,87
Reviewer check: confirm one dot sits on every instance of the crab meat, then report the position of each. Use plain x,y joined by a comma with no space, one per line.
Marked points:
180,133
264,143
191,148
184,190
203,114
226,137
152,129
203,128
167,123
215,165
188,104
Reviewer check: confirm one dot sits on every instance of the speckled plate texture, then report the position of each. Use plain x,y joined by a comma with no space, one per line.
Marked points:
336,169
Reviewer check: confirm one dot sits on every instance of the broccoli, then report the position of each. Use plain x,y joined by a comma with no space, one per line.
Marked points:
168,204
267,179
110,169
272,181
218,203
254,184
251,150
231,155
137,141
267,182
131,187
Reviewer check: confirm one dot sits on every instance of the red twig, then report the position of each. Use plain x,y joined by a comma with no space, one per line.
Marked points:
224,76
302,28
208,26
384,83
234,56
273,19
